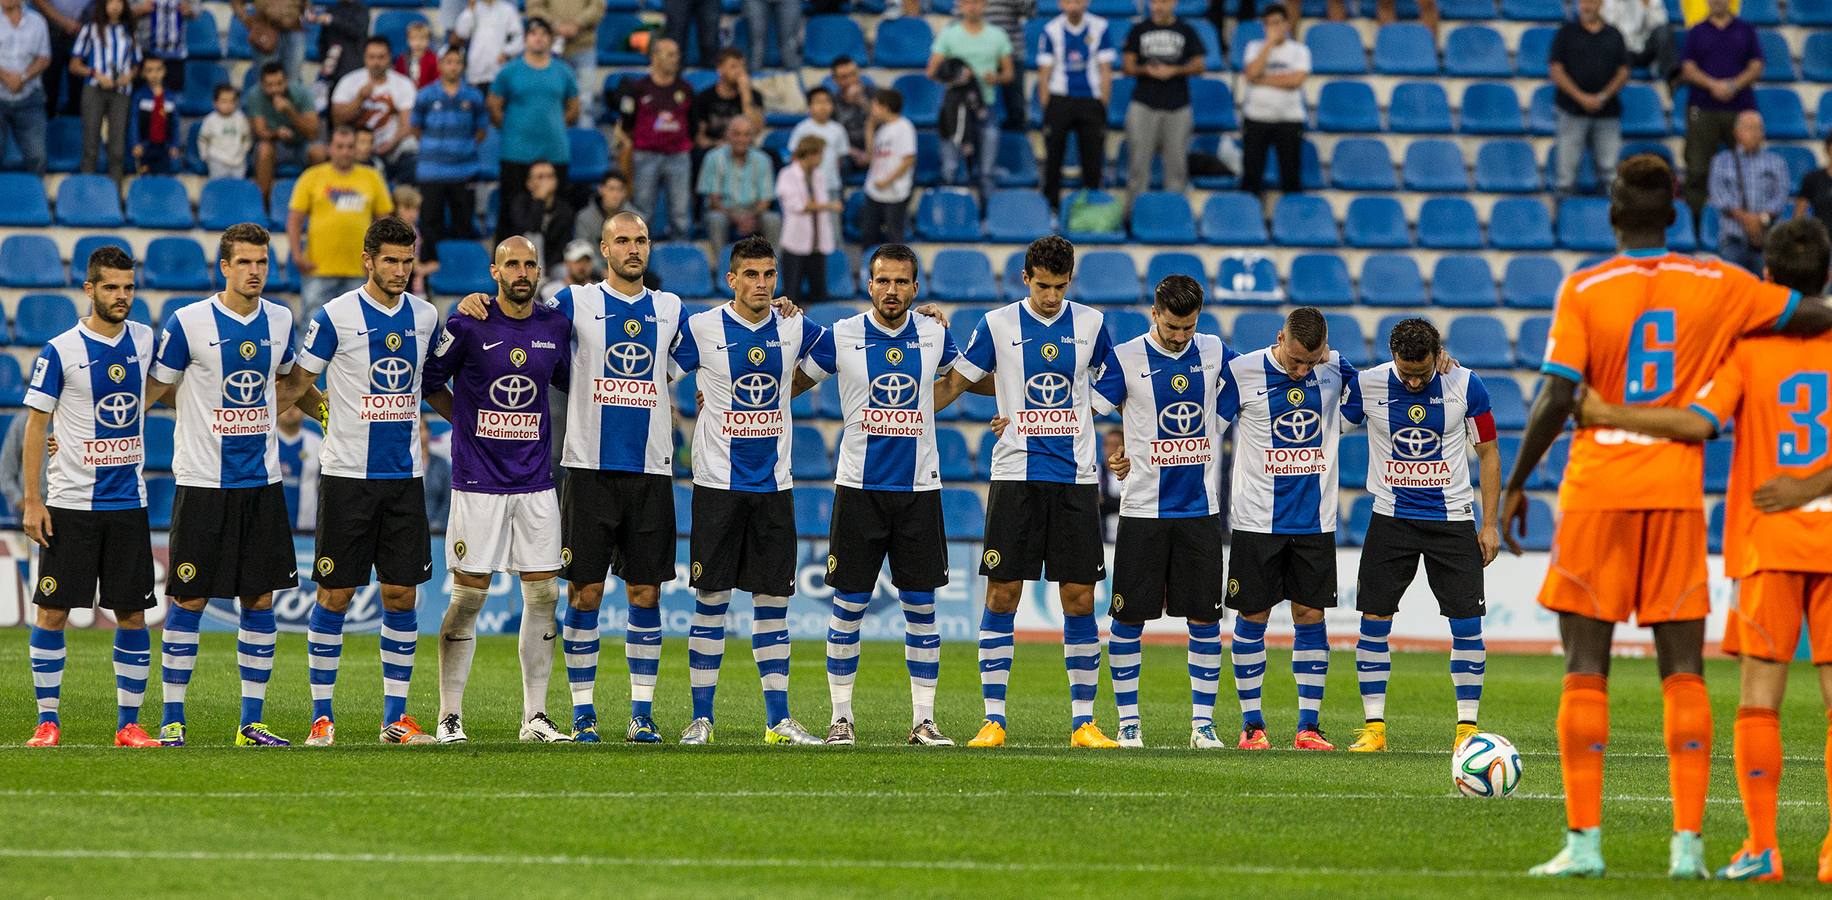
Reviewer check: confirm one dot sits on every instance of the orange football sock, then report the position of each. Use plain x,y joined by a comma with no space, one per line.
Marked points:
1758,758
1688,732
1583,732
1828,842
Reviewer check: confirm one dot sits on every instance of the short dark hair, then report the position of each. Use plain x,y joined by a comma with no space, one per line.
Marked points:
1051,253
1179,295
343,129
240,233
1307,326
271,68
108,257
615,176
1641,197
819,92
725,54
842,60
894,253
1797,253
752,247
226,88
891,99
537,22
1274,9
1414,340
452,48
389,230
382,39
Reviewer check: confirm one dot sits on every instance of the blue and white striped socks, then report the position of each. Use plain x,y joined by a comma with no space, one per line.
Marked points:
996,645
770,648
921,652
1124,658
1373,666
324,652
1081,656
579,643
47,651
400,638
843,650
133,663
1310,669
177,657
706,649
1205,672
1468,663
1249,651
254,655
642,650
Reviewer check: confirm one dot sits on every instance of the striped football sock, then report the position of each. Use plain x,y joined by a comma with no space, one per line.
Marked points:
133,662
254,655
47,651
400,638
1468,664
580,645
995,661
324,651
642,651
1081,655
1205,671
1249,651
1373,666
843,650
1310,669
770,648
177,657
706,649
921,652
1123,662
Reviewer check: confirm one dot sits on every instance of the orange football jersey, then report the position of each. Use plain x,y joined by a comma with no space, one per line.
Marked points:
1778,390
1649,327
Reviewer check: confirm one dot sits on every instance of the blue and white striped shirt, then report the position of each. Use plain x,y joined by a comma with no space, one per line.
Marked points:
165,30
1073,53
108,50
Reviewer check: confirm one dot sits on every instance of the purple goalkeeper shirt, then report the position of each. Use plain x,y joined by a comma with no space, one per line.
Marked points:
499,371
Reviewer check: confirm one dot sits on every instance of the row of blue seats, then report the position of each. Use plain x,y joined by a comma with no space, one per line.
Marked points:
153,201
171,263
1494,108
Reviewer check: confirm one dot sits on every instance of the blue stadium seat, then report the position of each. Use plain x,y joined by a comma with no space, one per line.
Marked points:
1449,223
948,215
1783,117
1680,235
1583,224
1211,41
1533,10
808,454
283,278
1708,229
961,275
159,201
1463,282
30,260
1532,54
277,199
1542,114
1335,49
1253,330
1509,403
1247,278
64,145
964,514
951,450
1642,114
1245,33
1491,109
1348,107
89,201
1466,10
1012,277
1419,107
830,37
1016,217
200,80
1759,12
840,284
1405,48
87,244
1539,513
1714,528
1346,337
982,458
1303,221
37,318
1530,348
1717,466
613,39
1391,279
1800,160
902,43
825,314
1213,103
1017,162
1105,276
1816,57
224,202
1163,218
1125,324
392,24
27,207
1352,464
921,99
1233,219
1476,51
1434,165
1520,223
1118,101
467,269
813,510
1480,342
1810,12
1551,469
1375,222
591,156
1361,164
173,304
237,45
1164,265
1321,279
158,438
201,36
1507,167
1310,164
1361,514
160,491
177,264
1531,282
682,268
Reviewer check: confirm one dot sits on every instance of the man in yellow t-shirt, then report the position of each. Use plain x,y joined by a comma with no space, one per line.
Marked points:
332,206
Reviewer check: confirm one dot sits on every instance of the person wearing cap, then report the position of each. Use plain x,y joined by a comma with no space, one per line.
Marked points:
580,267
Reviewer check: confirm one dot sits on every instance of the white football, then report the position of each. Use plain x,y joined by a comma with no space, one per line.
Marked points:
1487,765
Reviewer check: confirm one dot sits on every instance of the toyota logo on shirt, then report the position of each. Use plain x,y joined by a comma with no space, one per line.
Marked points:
628,360
754,391
1415,443
1297,426
1047,389
245,388
391,375
117,410
1180,419
893,390
512,391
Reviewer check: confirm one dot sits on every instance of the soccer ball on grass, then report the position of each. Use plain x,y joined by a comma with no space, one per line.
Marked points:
1487,765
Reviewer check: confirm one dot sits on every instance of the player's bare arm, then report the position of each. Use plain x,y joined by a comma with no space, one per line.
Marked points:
1813,316
1785,492
1555,403
951,386
441,402
802,384
1654,421
1488,461
37,519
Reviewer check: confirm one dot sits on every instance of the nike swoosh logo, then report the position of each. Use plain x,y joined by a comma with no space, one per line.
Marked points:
547,637
1022,342
221,342
859,347
605,316
493,346
1738,870
1150,373
427,568
1367,667
723,347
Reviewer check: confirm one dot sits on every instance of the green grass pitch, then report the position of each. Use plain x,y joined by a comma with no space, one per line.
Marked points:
498,818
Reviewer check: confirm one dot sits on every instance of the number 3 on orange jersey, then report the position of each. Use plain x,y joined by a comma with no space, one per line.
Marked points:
1805,397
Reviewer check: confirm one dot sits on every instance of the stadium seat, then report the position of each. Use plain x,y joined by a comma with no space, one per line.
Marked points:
64,145
1542,114
682,268
1405,48
1300,220
177,264
392,24
1376,222
1800,160
1520,223
921,99
1245,33
1551,469
467,269
1247,278
830,37
1352,464
951,450
1530,349
1491,109
1419,107
1583,224
200,80
1310,164
948,215
813,510
159,201
964,514
840,283
1335,49
30,261
1125,324
1449,223
283,278
1816,60
1680,235
1012,278
1346,337
1714,528
277,199
1476,51
612,39
1118,101
1105,277
1163,218
1361,514
1391,279
1642,114
1810,12
1361,164
1348,107
1539,513
1017,162
591,156
1531,282
87,244
201,39
1211,41
1509,403
89,201
1164,265
1479,342
160,490
1533,51
1533,10
825,314
1777,59
982,458
1253,330
28,208
1462,282
961,275
1507,167
1759,12
1213,103
226,201
1233,219
809,455
902,43
1016,217
1321,279
1717,466
173,304
1708,229
1465,10
1783,118
159,430
37,318
1434,165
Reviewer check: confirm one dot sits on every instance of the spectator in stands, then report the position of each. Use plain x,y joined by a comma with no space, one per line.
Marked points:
380,99
492,33
226,137
1723,58
106,58
852,93
532,102
539,214
1074,79
788,31
729,98
450,120
337,201
63,91
158,131
1815,193
285,125
808,211
342,33
1162,52
418,62
703,16
1588,64
580,268
1272,108
165,36
276,33
575,32
971,136
1008,16
654,137
25,55
892,174
735,188
1749,187
1647,33
611,197
821,124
